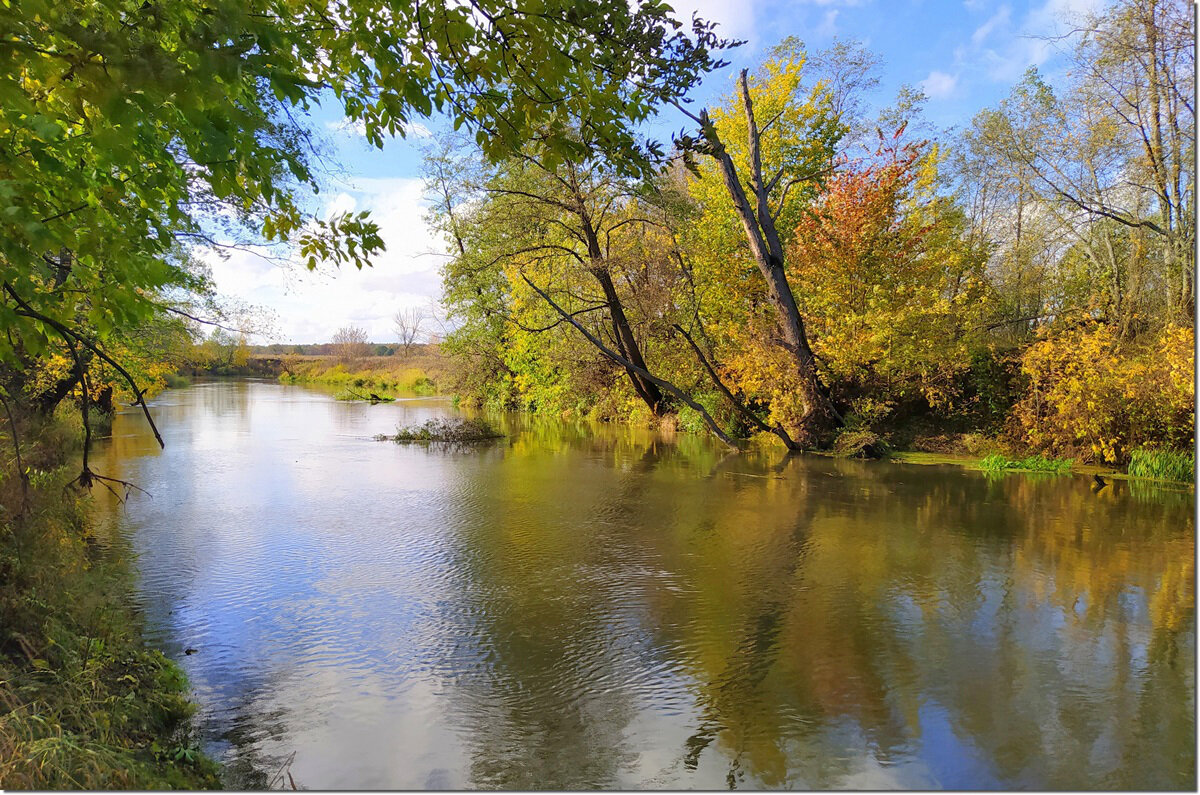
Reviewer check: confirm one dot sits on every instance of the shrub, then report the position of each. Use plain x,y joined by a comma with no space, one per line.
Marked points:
1092,396
860,443
444,429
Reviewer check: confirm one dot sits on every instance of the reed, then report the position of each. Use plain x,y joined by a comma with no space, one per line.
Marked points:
997,463
1161,464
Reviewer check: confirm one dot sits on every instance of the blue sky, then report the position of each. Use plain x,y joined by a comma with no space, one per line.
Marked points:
964,54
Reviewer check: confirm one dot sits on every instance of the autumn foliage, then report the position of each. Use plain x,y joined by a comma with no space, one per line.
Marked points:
1093,397
884,279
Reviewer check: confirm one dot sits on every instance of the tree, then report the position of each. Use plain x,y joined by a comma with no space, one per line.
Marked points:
887,279
408,324
554,220
134,130
350,344
783,159
537,234
1094,177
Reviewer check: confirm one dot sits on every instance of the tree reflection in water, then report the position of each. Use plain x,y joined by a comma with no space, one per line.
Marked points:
589,607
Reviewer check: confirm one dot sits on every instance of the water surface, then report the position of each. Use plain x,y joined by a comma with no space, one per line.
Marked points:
577,607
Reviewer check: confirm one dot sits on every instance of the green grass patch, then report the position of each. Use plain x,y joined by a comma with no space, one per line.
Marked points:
997,463
1158,464
176,381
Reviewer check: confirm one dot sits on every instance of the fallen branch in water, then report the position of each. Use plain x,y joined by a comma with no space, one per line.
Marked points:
371,397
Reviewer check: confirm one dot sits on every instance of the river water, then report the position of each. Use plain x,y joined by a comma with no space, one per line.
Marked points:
577,607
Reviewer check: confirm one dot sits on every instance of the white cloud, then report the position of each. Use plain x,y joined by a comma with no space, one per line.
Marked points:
1002,47
735,18
939,85
358,129
352,129
828,27
997,21
310,306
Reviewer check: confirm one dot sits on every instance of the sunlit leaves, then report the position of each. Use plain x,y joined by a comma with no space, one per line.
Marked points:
129,130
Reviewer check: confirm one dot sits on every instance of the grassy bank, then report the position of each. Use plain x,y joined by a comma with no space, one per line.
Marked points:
384,375
83,703
997,463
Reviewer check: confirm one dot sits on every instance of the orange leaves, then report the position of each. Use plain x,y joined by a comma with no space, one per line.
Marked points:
879,271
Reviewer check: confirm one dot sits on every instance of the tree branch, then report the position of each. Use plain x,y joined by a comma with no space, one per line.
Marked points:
27,311
643,372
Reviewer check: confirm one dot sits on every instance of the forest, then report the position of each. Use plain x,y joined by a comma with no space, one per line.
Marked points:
839,275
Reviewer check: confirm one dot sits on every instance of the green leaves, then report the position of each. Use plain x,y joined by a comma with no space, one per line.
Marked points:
130,130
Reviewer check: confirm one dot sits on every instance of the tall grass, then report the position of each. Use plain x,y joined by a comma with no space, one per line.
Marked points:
997,463
1159,464
83,703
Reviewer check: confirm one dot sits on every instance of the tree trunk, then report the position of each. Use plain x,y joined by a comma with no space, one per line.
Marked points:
627,344
820,417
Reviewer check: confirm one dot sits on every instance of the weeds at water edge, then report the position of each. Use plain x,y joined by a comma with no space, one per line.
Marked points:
1158,464
997,464
444,429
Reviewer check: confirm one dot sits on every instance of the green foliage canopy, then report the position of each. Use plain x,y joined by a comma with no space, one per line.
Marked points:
130,129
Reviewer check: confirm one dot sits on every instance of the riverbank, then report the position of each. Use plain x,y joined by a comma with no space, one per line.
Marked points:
419,374
85,704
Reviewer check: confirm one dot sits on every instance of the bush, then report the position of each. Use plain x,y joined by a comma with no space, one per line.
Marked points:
444,429
860,443
176,381
1157,464
1090,395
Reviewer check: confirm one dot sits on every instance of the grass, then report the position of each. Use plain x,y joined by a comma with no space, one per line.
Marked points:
1158,464
444,429
384,375
176,381
83,703
997,463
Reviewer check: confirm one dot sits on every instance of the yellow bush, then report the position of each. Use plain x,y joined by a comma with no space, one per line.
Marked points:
1092,397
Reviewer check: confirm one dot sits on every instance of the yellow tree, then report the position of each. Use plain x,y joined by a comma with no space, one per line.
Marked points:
887,278
768,146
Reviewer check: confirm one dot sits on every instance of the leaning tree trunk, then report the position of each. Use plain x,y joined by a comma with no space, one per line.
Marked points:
627,344
820,417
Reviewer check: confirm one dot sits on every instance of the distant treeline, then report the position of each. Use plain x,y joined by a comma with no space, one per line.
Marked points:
332,349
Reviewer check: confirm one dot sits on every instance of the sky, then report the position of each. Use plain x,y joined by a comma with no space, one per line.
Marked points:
964,54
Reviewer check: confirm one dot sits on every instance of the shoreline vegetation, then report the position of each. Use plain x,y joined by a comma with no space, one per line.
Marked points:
84,702
388,377
923,439
456,430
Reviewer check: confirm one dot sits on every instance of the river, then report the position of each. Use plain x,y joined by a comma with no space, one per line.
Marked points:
575,607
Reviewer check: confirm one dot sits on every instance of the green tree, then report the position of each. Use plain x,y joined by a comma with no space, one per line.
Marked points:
130,130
